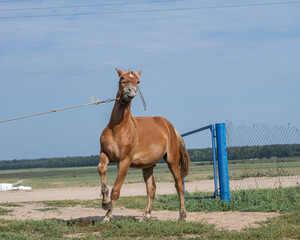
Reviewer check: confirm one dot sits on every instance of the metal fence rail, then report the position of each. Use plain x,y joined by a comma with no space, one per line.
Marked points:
218,135
212,130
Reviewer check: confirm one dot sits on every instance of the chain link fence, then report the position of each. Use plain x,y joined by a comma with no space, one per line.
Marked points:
263,156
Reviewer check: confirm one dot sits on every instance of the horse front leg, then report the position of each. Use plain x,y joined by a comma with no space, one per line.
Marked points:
102,169
115,192
151,187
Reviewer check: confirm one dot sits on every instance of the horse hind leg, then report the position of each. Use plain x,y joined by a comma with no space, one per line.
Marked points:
180,190
102,169
174,168
151,187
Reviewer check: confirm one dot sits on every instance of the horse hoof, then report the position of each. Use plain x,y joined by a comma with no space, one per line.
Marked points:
106,206
107,219
182,216
145,218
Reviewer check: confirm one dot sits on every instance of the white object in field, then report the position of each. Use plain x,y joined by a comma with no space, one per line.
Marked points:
22,188
6,186
9,186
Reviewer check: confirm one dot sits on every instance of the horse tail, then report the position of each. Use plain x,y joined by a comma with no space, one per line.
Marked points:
184,156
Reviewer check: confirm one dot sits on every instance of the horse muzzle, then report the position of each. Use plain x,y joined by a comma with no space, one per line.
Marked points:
130,92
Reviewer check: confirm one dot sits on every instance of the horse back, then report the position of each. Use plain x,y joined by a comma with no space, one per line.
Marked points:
152,128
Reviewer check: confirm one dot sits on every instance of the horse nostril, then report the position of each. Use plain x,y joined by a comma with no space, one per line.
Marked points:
130,91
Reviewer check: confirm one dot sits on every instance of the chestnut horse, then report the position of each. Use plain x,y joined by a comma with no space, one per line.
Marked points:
139,142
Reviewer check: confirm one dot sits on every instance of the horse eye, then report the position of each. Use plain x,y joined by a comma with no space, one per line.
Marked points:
124,81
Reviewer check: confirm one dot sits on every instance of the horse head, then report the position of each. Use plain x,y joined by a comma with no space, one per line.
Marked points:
128,85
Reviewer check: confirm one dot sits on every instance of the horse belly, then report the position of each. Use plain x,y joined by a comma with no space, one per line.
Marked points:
153,154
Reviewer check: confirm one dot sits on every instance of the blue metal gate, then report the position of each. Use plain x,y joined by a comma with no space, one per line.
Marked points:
218,133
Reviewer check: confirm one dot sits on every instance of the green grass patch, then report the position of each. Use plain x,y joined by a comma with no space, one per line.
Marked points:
72,203
283,227
258,200
130,228
10,204
13,229
47,209
123,229
4,211
239,169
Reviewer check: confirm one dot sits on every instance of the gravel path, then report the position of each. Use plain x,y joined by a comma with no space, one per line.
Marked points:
135,189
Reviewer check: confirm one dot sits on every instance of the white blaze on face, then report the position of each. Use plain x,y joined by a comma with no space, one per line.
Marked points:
130,75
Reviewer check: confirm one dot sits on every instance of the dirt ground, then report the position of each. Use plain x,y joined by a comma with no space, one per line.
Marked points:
228,220
233,221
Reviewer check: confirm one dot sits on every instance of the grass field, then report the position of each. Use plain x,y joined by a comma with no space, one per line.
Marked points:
283,200
88,176
284,227
264,168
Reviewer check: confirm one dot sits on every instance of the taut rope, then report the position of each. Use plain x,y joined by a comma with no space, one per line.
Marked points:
141,97
94,102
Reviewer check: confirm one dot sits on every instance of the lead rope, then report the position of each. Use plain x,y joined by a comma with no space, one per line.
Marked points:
141,97
94,102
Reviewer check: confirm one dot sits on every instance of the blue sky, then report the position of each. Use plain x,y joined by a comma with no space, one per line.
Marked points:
198,67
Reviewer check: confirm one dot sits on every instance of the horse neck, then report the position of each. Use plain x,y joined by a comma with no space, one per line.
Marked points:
121,115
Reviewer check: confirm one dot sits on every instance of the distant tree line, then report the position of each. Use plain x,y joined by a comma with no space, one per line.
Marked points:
196,155
50,162
248,152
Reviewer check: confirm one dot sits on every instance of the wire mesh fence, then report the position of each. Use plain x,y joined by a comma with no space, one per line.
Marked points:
263,156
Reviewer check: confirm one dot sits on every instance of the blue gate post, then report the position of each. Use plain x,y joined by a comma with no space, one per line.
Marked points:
222,162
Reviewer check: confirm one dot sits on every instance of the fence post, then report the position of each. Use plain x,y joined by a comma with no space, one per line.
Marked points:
213,136
222,162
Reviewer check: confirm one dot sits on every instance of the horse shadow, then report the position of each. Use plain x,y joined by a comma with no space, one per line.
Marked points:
92,220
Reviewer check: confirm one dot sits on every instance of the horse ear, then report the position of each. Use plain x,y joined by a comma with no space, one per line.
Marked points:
139,73
119,72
